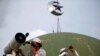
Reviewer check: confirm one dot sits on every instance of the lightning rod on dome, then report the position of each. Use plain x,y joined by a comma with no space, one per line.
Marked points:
55,8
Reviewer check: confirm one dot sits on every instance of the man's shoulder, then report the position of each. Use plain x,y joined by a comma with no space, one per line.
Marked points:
42,50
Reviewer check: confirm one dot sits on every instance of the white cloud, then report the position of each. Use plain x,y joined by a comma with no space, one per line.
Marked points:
36,33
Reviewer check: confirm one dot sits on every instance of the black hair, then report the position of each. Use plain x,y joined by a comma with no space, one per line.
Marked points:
70,47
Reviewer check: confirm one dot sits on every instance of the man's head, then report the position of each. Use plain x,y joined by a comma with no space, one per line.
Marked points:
71,48
36,44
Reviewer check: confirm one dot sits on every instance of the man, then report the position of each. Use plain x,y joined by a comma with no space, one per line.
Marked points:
74,52
63,51
35,49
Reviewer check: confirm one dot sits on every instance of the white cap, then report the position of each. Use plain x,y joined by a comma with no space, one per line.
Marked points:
64,53
36,40
62,49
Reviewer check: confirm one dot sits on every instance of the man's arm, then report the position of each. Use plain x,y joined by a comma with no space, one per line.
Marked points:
76,53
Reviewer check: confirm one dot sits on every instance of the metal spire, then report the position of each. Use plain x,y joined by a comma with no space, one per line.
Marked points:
55,9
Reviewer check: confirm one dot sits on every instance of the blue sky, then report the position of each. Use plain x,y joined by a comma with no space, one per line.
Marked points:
80,16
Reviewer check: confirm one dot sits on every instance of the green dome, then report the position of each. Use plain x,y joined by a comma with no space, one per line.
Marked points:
85,45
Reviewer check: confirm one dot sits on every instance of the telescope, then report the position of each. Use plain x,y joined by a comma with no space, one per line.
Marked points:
15,43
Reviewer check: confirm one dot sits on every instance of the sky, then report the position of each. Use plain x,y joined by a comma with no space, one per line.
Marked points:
80,16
